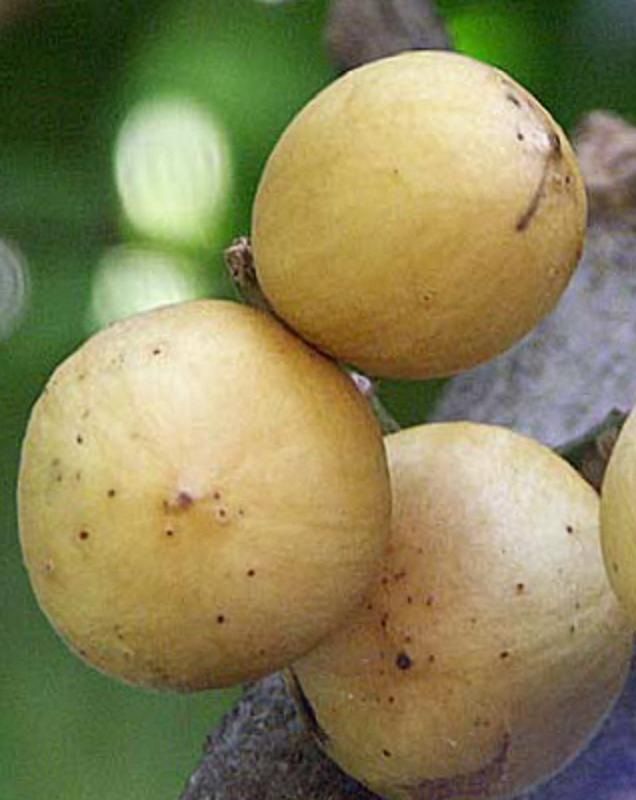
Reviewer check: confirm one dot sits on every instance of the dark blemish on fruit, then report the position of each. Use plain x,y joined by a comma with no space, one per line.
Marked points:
184,499
399,575
431,659
241,512
306,709
520,588
386,753
513,99
391,699
408,639
216,495
568,180
78,475
555,144
220,619
369,606
409,599
251,573
111,493
169,532
528,214
403,661
572,628
83,535
49,566
384,619
569,529
79,438
430,600
384,581
520,136
221,513
156,351
473,620
577,605
479,783
614,566
504,654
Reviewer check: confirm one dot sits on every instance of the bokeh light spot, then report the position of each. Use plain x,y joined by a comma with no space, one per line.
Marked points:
14,289
172,170
129,280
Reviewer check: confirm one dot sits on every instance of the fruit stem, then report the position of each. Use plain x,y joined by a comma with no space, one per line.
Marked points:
239,261
590,453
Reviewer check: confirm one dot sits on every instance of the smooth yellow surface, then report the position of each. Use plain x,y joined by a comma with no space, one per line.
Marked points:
418,216
201,497
618,517
492,646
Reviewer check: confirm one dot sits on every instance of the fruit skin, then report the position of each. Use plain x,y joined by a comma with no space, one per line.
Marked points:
618,517
418,216
202,497
492,646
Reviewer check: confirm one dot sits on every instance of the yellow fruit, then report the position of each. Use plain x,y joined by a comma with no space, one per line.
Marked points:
418,216
618,517
202,497
492,646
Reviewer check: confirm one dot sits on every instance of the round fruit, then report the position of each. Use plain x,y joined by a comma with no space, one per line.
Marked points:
618,517
492,645
202,497
419,216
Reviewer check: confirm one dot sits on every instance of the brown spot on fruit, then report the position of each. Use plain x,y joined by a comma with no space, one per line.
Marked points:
504,654
520,588
479,783
220,619
403,661
83,535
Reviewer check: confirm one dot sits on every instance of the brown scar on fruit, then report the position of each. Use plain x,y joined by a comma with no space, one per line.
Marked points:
553,154
180,502
305,708
479,783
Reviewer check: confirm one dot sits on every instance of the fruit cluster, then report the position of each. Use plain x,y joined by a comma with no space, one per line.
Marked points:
206,497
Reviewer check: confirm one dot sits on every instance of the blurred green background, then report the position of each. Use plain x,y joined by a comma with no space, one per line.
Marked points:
131,139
